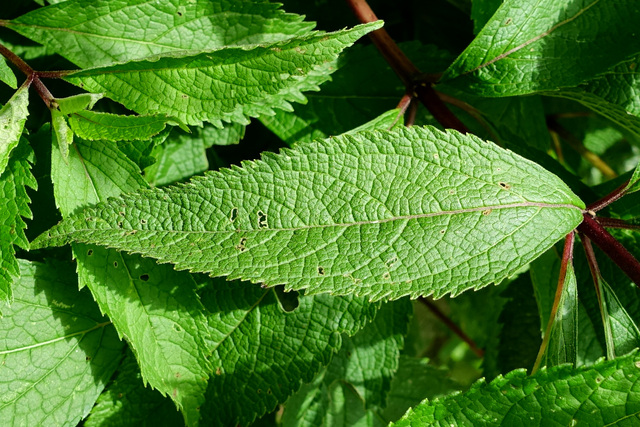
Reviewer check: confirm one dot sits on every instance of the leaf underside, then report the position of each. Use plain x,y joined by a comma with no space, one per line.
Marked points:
386,214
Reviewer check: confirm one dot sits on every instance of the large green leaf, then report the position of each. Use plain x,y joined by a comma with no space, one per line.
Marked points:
15,205
12,118
154,307
93,33
545,45
57,351
411,212
261,353
229,84
603,394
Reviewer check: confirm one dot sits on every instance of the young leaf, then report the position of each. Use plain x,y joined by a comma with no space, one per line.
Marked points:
15,204
126,402
76,103
546,45
634,181
57,351
431,212
61,133
153,306
93,33
92,125
603,394
6,74
229,84
621,331
261,353
12,118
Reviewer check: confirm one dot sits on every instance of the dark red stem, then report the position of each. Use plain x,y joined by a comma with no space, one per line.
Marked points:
616,223
406,70
452,326
608,199
610,246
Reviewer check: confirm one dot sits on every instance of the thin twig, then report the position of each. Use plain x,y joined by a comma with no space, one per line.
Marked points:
452,326
16,60
609,198
617,223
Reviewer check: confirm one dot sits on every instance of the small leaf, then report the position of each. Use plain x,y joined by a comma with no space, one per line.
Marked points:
93,126
603,394
621,332
6,74
344,215
229,84
15,205
634,181
546,45
57,351
93,33
261,353
61,133
75,103
12,118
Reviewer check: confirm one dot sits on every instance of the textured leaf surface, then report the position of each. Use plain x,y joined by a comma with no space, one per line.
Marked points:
15,205
93,33
127,402
261,353
546,45
93,126
410,212
57,351
364,367
6,74
634,181
604,394
12,118
621,331
152,306
230,84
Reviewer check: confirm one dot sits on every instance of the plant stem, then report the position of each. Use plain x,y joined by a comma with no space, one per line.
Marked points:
16,60
617,223
406,70
567,257
610,246
609,198
454,328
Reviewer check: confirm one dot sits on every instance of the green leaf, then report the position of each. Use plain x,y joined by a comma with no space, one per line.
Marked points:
229,84
184,155
154,307
563,336
6,74
293,218
93,126
261,353
57,351
545,45
76,103
482,11
12,118
621,331
15,205
365,366
93,33
603,394
127,402
634,181
61,133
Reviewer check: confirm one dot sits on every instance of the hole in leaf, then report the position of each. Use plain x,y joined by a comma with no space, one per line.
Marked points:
262,220
288,300
504,185
144,277
442,231
177,327
241,245
321,270
143,221
234,214
386,276
90,252
115,264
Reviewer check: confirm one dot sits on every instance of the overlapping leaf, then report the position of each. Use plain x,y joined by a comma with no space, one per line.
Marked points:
546,45
93,33
92,125
410,212
15,205
603,394
261,353
6,75
230,84
153,306
57,351
12,118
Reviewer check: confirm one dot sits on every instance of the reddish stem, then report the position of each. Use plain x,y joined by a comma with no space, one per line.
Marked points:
610,246
405,69
609,198
454,328
16,60
616,223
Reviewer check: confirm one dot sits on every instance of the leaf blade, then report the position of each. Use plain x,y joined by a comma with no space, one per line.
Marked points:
13,115
242,220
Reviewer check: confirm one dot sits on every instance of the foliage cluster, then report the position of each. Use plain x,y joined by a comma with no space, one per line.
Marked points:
211,206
